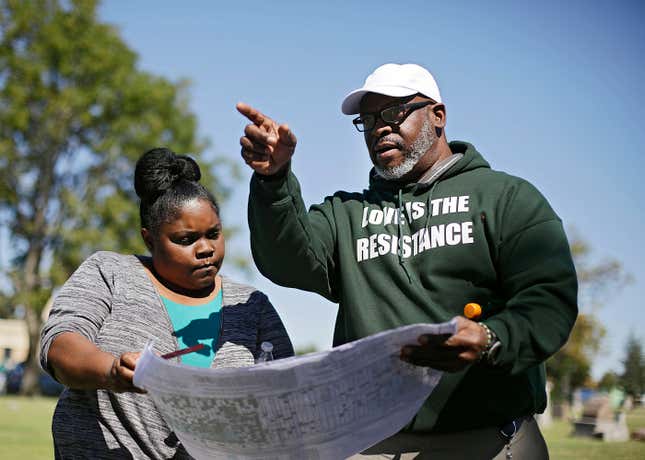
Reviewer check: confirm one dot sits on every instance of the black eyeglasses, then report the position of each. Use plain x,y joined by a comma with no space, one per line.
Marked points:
394,115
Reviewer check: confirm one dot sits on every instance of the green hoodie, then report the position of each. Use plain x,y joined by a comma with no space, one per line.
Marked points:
396,255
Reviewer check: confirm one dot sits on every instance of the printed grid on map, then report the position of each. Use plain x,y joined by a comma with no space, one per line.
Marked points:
302,404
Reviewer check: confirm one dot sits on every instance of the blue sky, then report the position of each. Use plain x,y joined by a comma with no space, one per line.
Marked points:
550,91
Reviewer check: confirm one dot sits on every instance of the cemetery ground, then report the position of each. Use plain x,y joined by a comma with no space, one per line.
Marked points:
25,434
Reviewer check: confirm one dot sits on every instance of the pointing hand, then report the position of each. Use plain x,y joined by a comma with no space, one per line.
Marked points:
267,146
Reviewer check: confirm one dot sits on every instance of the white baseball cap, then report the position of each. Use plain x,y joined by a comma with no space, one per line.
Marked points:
396,80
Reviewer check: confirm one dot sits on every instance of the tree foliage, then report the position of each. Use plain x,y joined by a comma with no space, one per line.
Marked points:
76,112
633,377
608,381
570,368
306,349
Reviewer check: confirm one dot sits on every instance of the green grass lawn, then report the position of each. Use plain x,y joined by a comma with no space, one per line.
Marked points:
25,428
636,419
25,433
562,446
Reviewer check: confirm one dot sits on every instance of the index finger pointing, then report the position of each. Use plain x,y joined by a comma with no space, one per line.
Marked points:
249,112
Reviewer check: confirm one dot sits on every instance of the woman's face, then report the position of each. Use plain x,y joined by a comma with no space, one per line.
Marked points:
189,251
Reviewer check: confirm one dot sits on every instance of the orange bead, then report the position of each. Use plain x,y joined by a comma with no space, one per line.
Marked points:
472,310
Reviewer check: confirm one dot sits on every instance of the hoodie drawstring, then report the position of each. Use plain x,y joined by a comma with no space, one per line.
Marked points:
429,205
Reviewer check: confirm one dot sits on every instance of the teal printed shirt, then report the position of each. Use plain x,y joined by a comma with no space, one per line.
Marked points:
196,324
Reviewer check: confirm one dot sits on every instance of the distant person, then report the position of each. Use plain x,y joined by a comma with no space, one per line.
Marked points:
436,229
5,367
114,304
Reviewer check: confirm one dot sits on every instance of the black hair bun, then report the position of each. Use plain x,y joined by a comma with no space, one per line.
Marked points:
158,169
186,168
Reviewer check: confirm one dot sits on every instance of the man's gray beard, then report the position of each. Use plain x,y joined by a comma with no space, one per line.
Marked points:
419,147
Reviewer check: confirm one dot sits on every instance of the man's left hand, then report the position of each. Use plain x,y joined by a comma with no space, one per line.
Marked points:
450,354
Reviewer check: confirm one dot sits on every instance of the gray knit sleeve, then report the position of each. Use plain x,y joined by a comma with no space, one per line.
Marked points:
272,330
82,304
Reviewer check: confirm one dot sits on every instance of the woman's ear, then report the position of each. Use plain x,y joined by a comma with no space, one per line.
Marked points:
147,238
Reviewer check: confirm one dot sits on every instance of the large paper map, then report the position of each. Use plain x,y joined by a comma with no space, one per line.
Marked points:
324,405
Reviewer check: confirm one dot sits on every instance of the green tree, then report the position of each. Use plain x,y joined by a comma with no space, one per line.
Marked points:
303,350
75,113
608,381
570,367
633,377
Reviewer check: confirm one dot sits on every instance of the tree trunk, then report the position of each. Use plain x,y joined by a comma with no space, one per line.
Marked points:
31,285
31,376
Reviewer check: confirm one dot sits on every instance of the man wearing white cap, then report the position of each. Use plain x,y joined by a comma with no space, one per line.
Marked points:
436,230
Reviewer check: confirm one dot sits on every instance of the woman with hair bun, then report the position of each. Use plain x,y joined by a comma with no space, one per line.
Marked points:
114,304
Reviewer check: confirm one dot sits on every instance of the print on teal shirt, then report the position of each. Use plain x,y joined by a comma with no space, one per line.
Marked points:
196,324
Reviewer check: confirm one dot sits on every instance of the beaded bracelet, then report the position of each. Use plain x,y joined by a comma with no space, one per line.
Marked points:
491,339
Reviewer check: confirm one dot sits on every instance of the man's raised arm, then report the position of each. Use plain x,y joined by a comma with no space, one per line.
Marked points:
290,246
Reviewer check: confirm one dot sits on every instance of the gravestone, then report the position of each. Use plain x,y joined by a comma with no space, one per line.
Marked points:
580,397
561,411
638,434
600,420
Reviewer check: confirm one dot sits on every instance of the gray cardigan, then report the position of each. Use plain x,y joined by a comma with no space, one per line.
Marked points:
111,301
